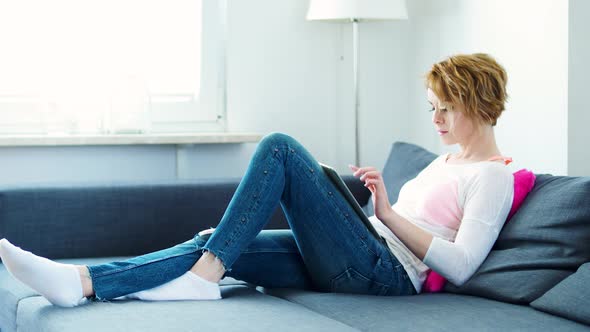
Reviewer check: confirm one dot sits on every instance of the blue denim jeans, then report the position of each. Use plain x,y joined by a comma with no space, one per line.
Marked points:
327,247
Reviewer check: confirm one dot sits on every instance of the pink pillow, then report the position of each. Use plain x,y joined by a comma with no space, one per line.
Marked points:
524,180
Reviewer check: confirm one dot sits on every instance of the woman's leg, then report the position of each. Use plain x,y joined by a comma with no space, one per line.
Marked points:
335,246
272,259
271,253
332,240
337,249
116,279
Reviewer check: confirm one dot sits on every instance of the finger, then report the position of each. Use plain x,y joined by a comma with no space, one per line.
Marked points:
371,174
371,187
372,182
363,170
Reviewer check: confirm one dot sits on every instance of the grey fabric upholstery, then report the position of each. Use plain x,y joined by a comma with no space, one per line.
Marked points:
570,298
405,161
77,211
544,242
242,309
241,303
427,312
11,292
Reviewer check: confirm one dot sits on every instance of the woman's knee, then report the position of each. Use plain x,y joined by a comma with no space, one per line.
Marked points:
276,139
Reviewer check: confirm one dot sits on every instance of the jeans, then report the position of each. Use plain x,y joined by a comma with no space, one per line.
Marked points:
327,247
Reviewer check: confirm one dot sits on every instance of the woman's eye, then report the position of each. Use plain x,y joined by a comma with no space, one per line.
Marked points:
442,109
431,109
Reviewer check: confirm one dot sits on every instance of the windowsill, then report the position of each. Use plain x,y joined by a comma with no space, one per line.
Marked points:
127,139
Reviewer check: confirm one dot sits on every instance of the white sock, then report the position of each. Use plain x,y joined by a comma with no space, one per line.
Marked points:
188,286
58,283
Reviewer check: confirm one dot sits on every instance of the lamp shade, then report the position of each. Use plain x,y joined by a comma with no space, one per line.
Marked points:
362,10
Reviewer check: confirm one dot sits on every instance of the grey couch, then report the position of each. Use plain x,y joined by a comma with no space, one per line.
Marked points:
536,276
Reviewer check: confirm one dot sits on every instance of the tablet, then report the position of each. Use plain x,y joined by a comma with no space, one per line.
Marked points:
341,185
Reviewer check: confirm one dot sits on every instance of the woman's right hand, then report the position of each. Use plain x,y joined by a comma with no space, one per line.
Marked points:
374,182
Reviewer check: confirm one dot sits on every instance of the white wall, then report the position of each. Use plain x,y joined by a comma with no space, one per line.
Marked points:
292,75
579,72
295,76
284,74
528,37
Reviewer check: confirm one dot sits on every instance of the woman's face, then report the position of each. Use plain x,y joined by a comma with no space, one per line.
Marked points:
450,121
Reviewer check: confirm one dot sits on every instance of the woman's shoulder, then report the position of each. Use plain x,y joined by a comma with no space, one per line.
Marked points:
493,173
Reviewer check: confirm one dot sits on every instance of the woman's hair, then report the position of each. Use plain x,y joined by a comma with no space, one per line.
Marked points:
475,81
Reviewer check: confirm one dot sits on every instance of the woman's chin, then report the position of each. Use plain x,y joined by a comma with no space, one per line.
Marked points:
446,141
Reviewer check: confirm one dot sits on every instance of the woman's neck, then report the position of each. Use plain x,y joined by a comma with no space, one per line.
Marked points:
480,147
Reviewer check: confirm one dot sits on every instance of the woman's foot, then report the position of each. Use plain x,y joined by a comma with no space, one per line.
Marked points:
188,286
58,283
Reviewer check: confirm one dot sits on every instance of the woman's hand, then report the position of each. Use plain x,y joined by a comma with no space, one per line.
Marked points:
373,180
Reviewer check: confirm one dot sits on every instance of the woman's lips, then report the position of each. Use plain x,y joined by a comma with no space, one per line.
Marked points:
442,132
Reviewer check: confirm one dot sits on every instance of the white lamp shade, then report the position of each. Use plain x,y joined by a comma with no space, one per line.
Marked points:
362,10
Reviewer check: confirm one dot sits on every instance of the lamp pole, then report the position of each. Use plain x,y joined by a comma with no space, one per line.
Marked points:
354,11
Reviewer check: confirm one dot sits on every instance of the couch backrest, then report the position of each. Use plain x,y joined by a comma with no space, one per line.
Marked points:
546,240
96,220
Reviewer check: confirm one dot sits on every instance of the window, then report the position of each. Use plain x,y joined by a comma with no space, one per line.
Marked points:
112,66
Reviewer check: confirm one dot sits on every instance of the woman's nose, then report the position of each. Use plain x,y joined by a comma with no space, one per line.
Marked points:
436,118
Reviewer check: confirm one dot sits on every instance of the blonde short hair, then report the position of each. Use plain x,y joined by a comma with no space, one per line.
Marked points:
475,81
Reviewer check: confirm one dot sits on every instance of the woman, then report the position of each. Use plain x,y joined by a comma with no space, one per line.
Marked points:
446,219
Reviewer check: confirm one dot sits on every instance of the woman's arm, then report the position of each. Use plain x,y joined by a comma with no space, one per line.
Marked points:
488,200
412,236
485,210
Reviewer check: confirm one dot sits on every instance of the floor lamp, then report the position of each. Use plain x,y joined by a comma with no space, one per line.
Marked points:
355,11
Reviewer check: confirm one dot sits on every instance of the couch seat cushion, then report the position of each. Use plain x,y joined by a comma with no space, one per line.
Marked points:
242,308
570,298
426,312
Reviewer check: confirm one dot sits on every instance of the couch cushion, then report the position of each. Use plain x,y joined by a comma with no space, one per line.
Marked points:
11,291
546,241
240,304
570,298
405,161
241,309
426,312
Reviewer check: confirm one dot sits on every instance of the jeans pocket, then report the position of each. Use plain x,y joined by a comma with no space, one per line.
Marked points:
352,281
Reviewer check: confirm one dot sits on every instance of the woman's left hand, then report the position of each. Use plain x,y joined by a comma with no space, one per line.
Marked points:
374,181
